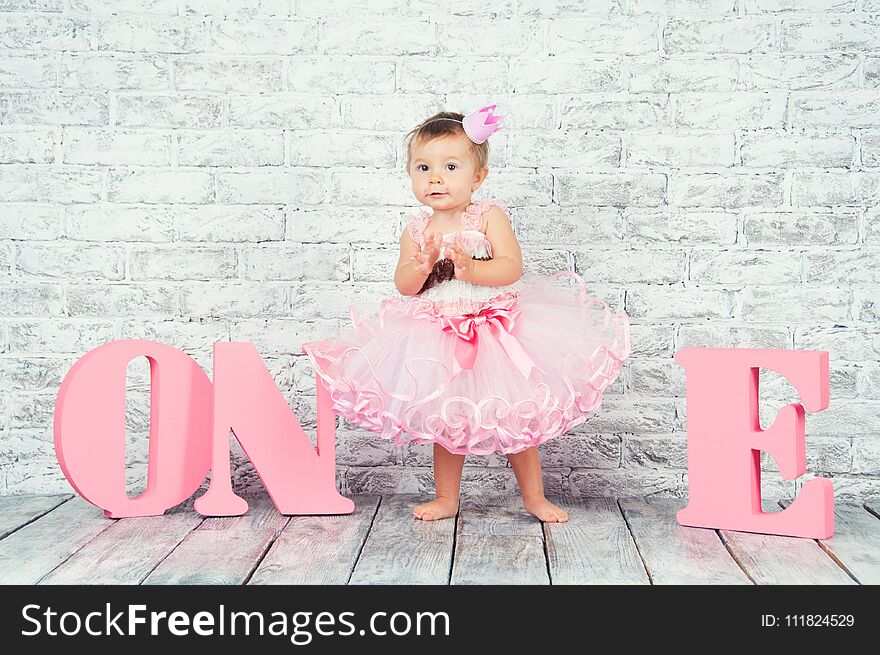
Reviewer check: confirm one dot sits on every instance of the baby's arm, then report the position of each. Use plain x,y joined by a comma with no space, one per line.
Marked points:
505,267
406,278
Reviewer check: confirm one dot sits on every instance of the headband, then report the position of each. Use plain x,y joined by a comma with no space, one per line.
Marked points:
479,125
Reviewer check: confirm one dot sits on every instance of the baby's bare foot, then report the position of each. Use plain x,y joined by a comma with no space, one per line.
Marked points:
439,508
545,510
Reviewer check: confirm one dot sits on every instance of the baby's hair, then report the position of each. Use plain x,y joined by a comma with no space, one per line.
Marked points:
445,123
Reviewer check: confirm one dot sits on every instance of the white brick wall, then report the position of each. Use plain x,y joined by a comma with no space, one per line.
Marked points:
198,170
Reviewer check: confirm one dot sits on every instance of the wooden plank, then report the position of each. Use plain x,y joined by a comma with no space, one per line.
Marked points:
127,551
854,545
499,559
771,559
34,550
223,550
594,546
498,542
318,549
401,549
676,554
496,515
17,511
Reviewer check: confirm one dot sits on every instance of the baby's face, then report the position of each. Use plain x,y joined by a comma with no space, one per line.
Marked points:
443,172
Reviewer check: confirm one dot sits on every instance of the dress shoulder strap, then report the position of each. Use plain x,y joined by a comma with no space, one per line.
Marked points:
416,224
473,216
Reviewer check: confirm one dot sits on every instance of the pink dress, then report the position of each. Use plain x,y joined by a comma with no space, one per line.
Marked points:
475,368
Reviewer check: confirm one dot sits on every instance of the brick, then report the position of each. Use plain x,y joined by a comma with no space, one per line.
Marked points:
672,302
787,151
856,188
565,149
792,304
618,111
800,228
654,74
335,74
35,70
258,74
559,226
35,182
619,189
499,37
745,34
140,33
656,266
678,151
192,110
125,300
115,70
70,260
60,335
160,185
230,148
86,145
727,190
403,36
182,263
621,483
629,36
567,75
211,299
44,32
820,33
655,227
255,36
340,149
28,145
745,267
296,262
724,109
774,71
294,185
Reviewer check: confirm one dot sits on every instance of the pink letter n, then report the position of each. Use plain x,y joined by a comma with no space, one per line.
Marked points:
725,441
247,402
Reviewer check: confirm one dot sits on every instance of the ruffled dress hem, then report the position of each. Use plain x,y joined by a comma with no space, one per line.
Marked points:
494,424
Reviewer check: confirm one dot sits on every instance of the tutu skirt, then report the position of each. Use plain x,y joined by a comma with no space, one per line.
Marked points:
528,366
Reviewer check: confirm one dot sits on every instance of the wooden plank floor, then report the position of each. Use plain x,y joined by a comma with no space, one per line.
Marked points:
66,540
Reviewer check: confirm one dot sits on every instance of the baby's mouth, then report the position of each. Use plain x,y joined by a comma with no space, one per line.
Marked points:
436,194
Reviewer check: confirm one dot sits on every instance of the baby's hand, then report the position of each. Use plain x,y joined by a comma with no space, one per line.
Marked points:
464,263
429,254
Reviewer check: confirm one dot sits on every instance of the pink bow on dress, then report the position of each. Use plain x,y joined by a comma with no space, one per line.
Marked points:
500,318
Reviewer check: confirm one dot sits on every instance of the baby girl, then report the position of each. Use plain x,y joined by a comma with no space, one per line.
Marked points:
529,360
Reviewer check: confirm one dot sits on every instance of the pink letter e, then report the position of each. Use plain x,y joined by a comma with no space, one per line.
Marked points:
725,441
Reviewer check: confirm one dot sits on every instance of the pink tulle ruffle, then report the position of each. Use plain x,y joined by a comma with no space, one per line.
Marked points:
394,372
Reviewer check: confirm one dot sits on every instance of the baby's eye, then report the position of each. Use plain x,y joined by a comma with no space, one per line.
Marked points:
420,166
452,165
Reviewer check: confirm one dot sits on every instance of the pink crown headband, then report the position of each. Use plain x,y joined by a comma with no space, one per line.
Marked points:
479,125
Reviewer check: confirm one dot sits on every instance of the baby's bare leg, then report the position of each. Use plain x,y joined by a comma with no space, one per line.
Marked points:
447,482
527,467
